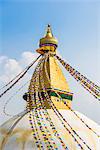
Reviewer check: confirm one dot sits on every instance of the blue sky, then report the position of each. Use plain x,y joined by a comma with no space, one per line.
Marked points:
23,23
75,23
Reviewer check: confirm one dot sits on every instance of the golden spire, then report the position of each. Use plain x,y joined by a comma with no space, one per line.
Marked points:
48,42
49,32
48,39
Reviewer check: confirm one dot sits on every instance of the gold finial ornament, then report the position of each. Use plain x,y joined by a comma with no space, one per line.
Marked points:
48,38
48,33
48,43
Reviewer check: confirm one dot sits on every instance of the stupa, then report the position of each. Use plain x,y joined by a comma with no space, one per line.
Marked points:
49,122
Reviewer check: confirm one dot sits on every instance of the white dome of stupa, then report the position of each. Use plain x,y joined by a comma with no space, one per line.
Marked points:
16,133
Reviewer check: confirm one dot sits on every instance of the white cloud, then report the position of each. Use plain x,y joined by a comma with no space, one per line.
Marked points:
11,67
27,57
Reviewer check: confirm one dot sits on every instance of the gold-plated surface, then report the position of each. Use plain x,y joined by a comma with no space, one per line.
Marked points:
51,67
45,49
57,78
49,38
48,43
56,82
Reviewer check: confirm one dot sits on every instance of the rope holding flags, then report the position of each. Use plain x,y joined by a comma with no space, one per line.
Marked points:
43,128
91,87
59,115
20,76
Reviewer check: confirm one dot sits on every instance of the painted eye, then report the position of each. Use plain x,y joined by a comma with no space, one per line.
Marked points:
57,99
